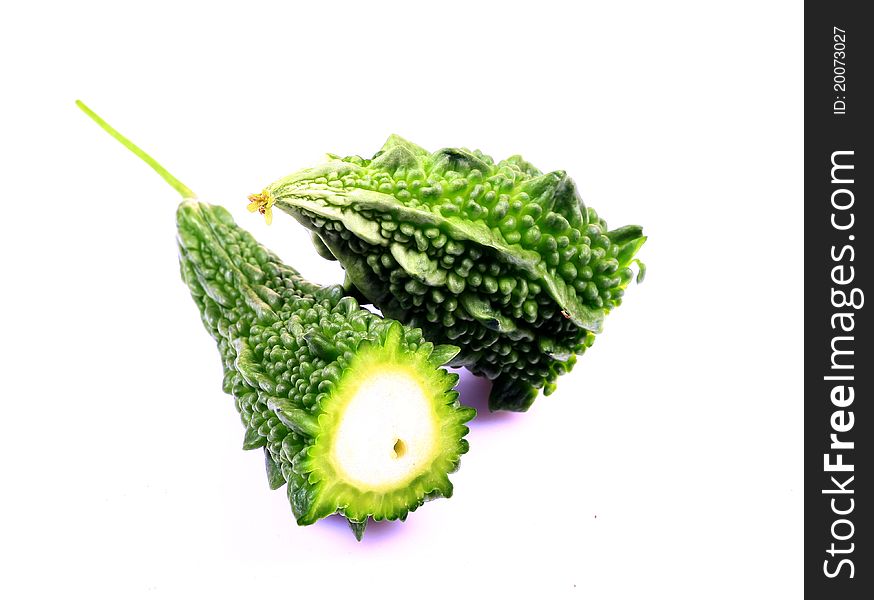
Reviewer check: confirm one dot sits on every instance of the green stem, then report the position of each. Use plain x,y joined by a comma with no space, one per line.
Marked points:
180,187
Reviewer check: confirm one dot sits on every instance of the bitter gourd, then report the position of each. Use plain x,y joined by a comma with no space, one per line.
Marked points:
353,411
500,259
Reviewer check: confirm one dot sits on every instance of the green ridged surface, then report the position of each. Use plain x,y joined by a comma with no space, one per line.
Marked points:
289,347
497,258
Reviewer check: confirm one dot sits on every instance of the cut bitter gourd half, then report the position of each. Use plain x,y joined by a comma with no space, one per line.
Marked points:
352,410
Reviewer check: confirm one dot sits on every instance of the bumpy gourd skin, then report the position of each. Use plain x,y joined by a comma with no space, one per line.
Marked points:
286,344
499,259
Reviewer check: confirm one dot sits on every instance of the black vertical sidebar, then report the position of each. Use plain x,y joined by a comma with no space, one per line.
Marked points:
838,362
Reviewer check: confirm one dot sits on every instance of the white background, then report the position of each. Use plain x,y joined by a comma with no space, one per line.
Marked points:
667,465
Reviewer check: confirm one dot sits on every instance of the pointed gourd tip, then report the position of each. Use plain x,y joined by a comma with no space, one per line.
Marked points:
398,140
443,353
641,270
321,346
252,439
393,334
358,528
275,479
394,138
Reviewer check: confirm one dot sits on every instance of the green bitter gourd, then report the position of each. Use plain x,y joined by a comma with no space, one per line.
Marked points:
500,259
353,411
